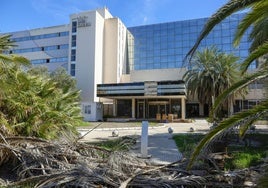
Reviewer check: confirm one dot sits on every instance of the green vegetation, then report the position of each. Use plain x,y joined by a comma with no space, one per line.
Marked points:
33,104
240,156
211,73
244,158
118,144
187,142
256,19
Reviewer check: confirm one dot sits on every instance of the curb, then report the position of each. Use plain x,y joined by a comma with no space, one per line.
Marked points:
120,128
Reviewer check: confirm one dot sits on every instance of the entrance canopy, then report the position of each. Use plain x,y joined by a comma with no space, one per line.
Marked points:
149,89
145,99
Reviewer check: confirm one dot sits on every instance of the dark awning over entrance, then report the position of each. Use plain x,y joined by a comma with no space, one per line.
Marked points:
150,88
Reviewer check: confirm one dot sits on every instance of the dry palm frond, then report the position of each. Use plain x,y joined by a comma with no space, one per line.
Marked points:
41,163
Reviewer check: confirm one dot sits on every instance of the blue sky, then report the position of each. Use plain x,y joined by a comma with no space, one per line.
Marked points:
19,15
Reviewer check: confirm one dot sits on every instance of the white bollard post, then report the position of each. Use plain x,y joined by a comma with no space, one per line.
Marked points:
144,139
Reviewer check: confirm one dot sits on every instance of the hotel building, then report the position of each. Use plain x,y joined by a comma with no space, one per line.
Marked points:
133,72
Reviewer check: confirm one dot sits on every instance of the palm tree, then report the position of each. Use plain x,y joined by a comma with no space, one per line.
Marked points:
60,76
211,73
5,43
256,17
34,105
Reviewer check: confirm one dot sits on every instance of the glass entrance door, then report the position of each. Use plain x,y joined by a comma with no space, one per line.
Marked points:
153,110
141,110
157,107
162,109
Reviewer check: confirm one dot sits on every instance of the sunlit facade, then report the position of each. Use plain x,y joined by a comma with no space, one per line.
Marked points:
165,45
135,72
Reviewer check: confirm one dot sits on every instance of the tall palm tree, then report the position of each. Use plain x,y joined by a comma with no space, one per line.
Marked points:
211,73
256,17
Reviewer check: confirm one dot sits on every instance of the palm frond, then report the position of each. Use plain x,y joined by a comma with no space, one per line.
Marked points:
258,12
20,60
231,7
259,33
236,120
5,42
261,74
259,52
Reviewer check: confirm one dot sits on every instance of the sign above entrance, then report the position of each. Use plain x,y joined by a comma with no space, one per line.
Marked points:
150,88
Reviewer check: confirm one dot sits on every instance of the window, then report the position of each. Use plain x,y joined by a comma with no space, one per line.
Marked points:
73,57
172,41
74,26
87,109
73,40
37,37
72,71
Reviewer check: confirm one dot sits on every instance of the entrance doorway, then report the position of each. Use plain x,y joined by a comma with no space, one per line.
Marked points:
141,110
157,107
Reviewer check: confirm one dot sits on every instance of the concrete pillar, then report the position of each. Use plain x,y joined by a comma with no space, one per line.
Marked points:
144,139
230,107
133,108
183,108
114,107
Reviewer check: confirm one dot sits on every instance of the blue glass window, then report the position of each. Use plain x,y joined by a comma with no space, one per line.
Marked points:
165,45
72,70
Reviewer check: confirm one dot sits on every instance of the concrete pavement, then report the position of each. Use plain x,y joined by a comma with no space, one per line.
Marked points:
161,146
99,134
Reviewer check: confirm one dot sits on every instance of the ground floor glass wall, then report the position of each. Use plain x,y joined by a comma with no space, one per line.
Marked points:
124,108
149,108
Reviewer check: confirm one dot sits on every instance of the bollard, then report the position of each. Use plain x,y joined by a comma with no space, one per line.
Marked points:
144,140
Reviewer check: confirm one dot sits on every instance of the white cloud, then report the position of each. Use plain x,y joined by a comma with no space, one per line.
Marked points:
145,19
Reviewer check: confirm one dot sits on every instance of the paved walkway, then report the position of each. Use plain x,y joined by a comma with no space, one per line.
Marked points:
161,149
161,146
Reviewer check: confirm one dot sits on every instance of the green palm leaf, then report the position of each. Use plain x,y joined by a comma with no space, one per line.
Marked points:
6,43
237,119
257,14
259,52
231,7
211,73
261,74
259,33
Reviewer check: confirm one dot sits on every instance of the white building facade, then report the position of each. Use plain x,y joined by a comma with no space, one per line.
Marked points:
92,48
125,72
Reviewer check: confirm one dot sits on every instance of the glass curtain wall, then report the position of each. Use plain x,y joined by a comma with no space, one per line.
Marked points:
165,45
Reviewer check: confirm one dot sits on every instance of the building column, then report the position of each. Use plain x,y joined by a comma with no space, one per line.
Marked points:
230,107
114,107
183,108
133,108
